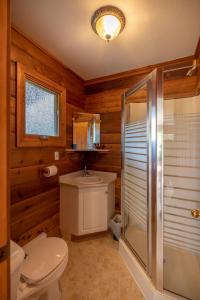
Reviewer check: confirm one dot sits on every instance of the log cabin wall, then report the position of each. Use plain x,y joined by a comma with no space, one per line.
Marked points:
35,200
103,95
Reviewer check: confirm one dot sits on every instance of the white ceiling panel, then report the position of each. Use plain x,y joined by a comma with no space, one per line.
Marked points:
156,31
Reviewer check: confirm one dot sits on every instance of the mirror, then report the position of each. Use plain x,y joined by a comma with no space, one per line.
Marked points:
86,131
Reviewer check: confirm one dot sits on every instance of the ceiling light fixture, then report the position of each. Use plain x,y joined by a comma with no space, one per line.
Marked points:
108,21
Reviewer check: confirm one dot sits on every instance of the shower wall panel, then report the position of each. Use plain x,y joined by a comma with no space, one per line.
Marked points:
181,134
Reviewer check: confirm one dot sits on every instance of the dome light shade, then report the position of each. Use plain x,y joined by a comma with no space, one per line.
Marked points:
108,22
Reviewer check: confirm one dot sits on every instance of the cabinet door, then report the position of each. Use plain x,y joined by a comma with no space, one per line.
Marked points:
93,210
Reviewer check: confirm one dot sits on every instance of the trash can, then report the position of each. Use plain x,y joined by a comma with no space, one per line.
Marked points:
115,226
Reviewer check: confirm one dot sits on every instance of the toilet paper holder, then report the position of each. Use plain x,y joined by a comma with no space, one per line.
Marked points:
48,171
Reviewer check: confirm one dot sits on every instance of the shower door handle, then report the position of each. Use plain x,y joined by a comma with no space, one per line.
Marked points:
195,213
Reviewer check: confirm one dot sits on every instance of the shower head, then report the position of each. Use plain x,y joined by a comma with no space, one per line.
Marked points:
192,69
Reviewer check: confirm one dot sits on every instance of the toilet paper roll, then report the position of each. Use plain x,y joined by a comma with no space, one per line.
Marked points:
50,171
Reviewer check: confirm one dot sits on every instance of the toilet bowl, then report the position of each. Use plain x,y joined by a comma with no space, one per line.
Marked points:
36,269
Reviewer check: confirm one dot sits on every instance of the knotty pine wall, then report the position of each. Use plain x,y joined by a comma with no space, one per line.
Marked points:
35,200
103,96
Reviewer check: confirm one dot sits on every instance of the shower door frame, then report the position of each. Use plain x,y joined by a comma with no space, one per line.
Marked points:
154,268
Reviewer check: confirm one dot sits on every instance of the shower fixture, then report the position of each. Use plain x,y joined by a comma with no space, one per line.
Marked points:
193,68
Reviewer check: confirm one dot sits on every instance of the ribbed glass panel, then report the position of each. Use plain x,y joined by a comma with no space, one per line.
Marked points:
135,179
181,196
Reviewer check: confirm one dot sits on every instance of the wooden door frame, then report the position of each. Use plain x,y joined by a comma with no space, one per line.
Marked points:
4,148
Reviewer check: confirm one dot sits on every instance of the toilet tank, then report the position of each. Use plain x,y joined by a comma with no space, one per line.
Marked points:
16,260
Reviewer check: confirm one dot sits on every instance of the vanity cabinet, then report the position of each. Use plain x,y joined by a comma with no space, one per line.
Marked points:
93,210
86,209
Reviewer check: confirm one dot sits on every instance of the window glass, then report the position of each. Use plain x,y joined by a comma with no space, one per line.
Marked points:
41,110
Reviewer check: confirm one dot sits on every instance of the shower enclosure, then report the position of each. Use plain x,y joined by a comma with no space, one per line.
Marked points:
161,178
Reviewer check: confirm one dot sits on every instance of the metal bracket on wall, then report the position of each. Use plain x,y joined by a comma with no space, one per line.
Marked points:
4,252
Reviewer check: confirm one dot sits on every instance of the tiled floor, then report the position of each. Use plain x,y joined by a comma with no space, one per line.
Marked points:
96,271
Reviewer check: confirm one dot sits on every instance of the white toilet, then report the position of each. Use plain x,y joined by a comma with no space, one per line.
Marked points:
37,267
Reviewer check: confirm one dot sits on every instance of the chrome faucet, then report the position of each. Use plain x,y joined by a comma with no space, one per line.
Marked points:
85,171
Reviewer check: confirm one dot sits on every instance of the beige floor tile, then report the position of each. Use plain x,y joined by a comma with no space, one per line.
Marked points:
96,271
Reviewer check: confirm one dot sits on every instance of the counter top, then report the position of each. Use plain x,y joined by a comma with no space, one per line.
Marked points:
71,178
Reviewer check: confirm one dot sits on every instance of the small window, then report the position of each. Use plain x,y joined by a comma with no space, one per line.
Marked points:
42,116
40,119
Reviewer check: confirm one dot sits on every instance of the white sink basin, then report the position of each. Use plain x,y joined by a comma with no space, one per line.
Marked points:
89,179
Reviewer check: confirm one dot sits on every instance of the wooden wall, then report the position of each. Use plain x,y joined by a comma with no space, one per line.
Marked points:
35,200
103,96
108,105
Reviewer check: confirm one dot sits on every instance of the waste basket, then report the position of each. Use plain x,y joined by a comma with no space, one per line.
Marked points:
115,226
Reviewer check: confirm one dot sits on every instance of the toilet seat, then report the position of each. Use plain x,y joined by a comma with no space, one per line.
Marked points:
42,259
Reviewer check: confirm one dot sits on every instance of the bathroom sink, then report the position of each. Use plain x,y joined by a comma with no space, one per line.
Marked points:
89,179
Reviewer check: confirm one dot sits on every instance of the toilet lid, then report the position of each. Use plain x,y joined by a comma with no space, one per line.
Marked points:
43,258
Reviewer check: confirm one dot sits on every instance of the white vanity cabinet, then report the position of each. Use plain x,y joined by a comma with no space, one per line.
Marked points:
86,209
93,213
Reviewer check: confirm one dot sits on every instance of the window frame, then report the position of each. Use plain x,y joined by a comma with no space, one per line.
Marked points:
30,140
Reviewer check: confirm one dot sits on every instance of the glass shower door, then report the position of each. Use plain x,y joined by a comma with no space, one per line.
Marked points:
135,170
161,178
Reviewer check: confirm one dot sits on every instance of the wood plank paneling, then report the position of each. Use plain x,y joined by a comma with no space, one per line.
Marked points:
4,149
107,101
30,220
49,225
35,199
23,191
33,203
111,138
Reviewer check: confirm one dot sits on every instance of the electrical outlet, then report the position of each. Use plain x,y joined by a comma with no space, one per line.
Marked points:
56,155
